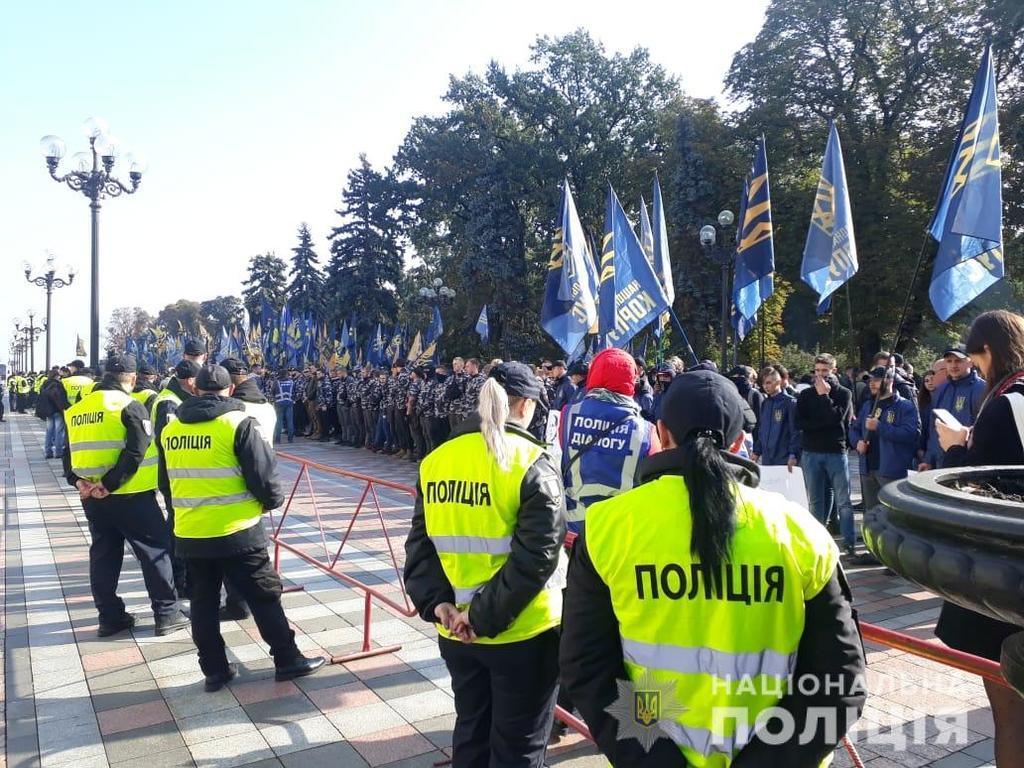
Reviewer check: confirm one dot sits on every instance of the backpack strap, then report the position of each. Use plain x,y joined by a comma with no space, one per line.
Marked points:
1017,406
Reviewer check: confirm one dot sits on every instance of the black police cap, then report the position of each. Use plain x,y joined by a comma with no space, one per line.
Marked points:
186,369
702,403
234,366
517,380
212,378
120,364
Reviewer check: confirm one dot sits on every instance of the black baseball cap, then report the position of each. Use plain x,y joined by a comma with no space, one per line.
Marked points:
120,364
878,372
703,403
234,366
212,378
186,369
517,380
76,364
147,370
957,351
194,347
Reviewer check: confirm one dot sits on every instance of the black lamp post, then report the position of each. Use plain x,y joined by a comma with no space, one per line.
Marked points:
92,174
31,332
50,282
722,253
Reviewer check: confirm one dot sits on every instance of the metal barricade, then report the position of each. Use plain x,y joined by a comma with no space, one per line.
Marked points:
329,562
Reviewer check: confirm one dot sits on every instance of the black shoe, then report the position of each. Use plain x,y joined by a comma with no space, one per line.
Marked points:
866,559
127,621
233,612
216,682
850,551
165,625
302,666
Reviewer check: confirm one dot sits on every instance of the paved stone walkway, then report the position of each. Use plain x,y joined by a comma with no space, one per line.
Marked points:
71,699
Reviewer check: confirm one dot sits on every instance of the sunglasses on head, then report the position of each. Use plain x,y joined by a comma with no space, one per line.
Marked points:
547,367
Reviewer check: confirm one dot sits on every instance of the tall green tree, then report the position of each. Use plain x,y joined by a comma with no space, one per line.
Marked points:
183,316
265,282
367,249
306,287
895,75
221,312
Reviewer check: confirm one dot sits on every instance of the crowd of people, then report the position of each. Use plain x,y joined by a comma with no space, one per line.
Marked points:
681,448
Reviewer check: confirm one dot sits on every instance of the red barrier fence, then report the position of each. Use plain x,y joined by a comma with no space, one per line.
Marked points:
328,563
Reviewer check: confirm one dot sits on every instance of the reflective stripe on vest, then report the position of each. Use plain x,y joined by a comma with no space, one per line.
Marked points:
96,437
163,396
607,468
208,491
725,647
471,508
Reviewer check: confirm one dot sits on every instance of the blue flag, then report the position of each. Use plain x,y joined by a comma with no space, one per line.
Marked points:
631,295
436,327
754,282
377,349
661,259
343,340
482,326
569,311
830,254
968,221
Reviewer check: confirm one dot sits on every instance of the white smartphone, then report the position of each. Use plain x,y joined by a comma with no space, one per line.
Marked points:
947,418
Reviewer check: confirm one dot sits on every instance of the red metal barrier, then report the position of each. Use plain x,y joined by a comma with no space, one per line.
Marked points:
329,563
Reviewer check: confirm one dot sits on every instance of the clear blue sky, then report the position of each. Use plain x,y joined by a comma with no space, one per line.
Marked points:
250,115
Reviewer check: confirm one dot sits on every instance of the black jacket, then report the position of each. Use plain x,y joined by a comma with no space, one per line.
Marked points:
249,392
592,661
538,537
139,433
823,419
52,399
259,469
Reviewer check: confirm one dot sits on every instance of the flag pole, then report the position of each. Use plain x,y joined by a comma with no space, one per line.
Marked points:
760,322
910,292
686,340
849,320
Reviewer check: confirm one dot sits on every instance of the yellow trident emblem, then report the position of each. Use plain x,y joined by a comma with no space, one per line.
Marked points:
647,707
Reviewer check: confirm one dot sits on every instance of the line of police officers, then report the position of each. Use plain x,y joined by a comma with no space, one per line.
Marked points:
214,463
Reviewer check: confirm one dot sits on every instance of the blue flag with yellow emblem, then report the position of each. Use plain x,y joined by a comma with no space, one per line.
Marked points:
569,311
968,220
753,281
830,253
631,295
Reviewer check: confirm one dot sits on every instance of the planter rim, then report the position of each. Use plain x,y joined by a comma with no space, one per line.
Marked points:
931,483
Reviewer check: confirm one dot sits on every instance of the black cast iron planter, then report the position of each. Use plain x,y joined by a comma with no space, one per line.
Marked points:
936,530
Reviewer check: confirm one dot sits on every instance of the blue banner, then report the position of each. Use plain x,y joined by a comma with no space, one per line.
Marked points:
753,280
631,295
968,220
482,326
569,311
830,253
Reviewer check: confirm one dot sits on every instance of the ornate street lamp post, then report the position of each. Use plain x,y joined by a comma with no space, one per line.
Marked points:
723,254
92,174
31,332
50,282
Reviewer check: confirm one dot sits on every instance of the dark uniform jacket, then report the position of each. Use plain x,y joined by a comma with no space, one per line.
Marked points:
539,533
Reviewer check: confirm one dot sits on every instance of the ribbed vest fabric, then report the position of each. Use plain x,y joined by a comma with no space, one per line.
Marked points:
471,507
96,437
208,491
713,647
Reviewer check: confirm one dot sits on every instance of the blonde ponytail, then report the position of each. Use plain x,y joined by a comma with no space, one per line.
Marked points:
494,411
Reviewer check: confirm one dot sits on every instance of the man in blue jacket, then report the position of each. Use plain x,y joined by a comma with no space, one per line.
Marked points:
776,440
961,395
885,436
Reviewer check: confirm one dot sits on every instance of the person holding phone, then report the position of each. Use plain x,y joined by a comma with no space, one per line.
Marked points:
995,344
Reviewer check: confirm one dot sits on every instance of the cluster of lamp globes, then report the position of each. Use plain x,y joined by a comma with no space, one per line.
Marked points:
708,235
437,290
102,144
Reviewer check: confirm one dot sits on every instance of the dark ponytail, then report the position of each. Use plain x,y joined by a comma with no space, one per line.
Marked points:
712,503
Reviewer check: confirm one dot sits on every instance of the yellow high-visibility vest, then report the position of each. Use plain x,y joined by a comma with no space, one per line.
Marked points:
471,507
708,645
96,438
77,387
208,491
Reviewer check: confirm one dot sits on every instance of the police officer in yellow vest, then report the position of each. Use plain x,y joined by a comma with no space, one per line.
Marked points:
112,462
78,383
223,475
24,388
484,560
700,609
163,408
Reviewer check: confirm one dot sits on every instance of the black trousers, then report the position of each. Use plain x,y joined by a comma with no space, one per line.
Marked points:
355,415
504,701
137,519
370,424
177,564
419,444
255,579
439,430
